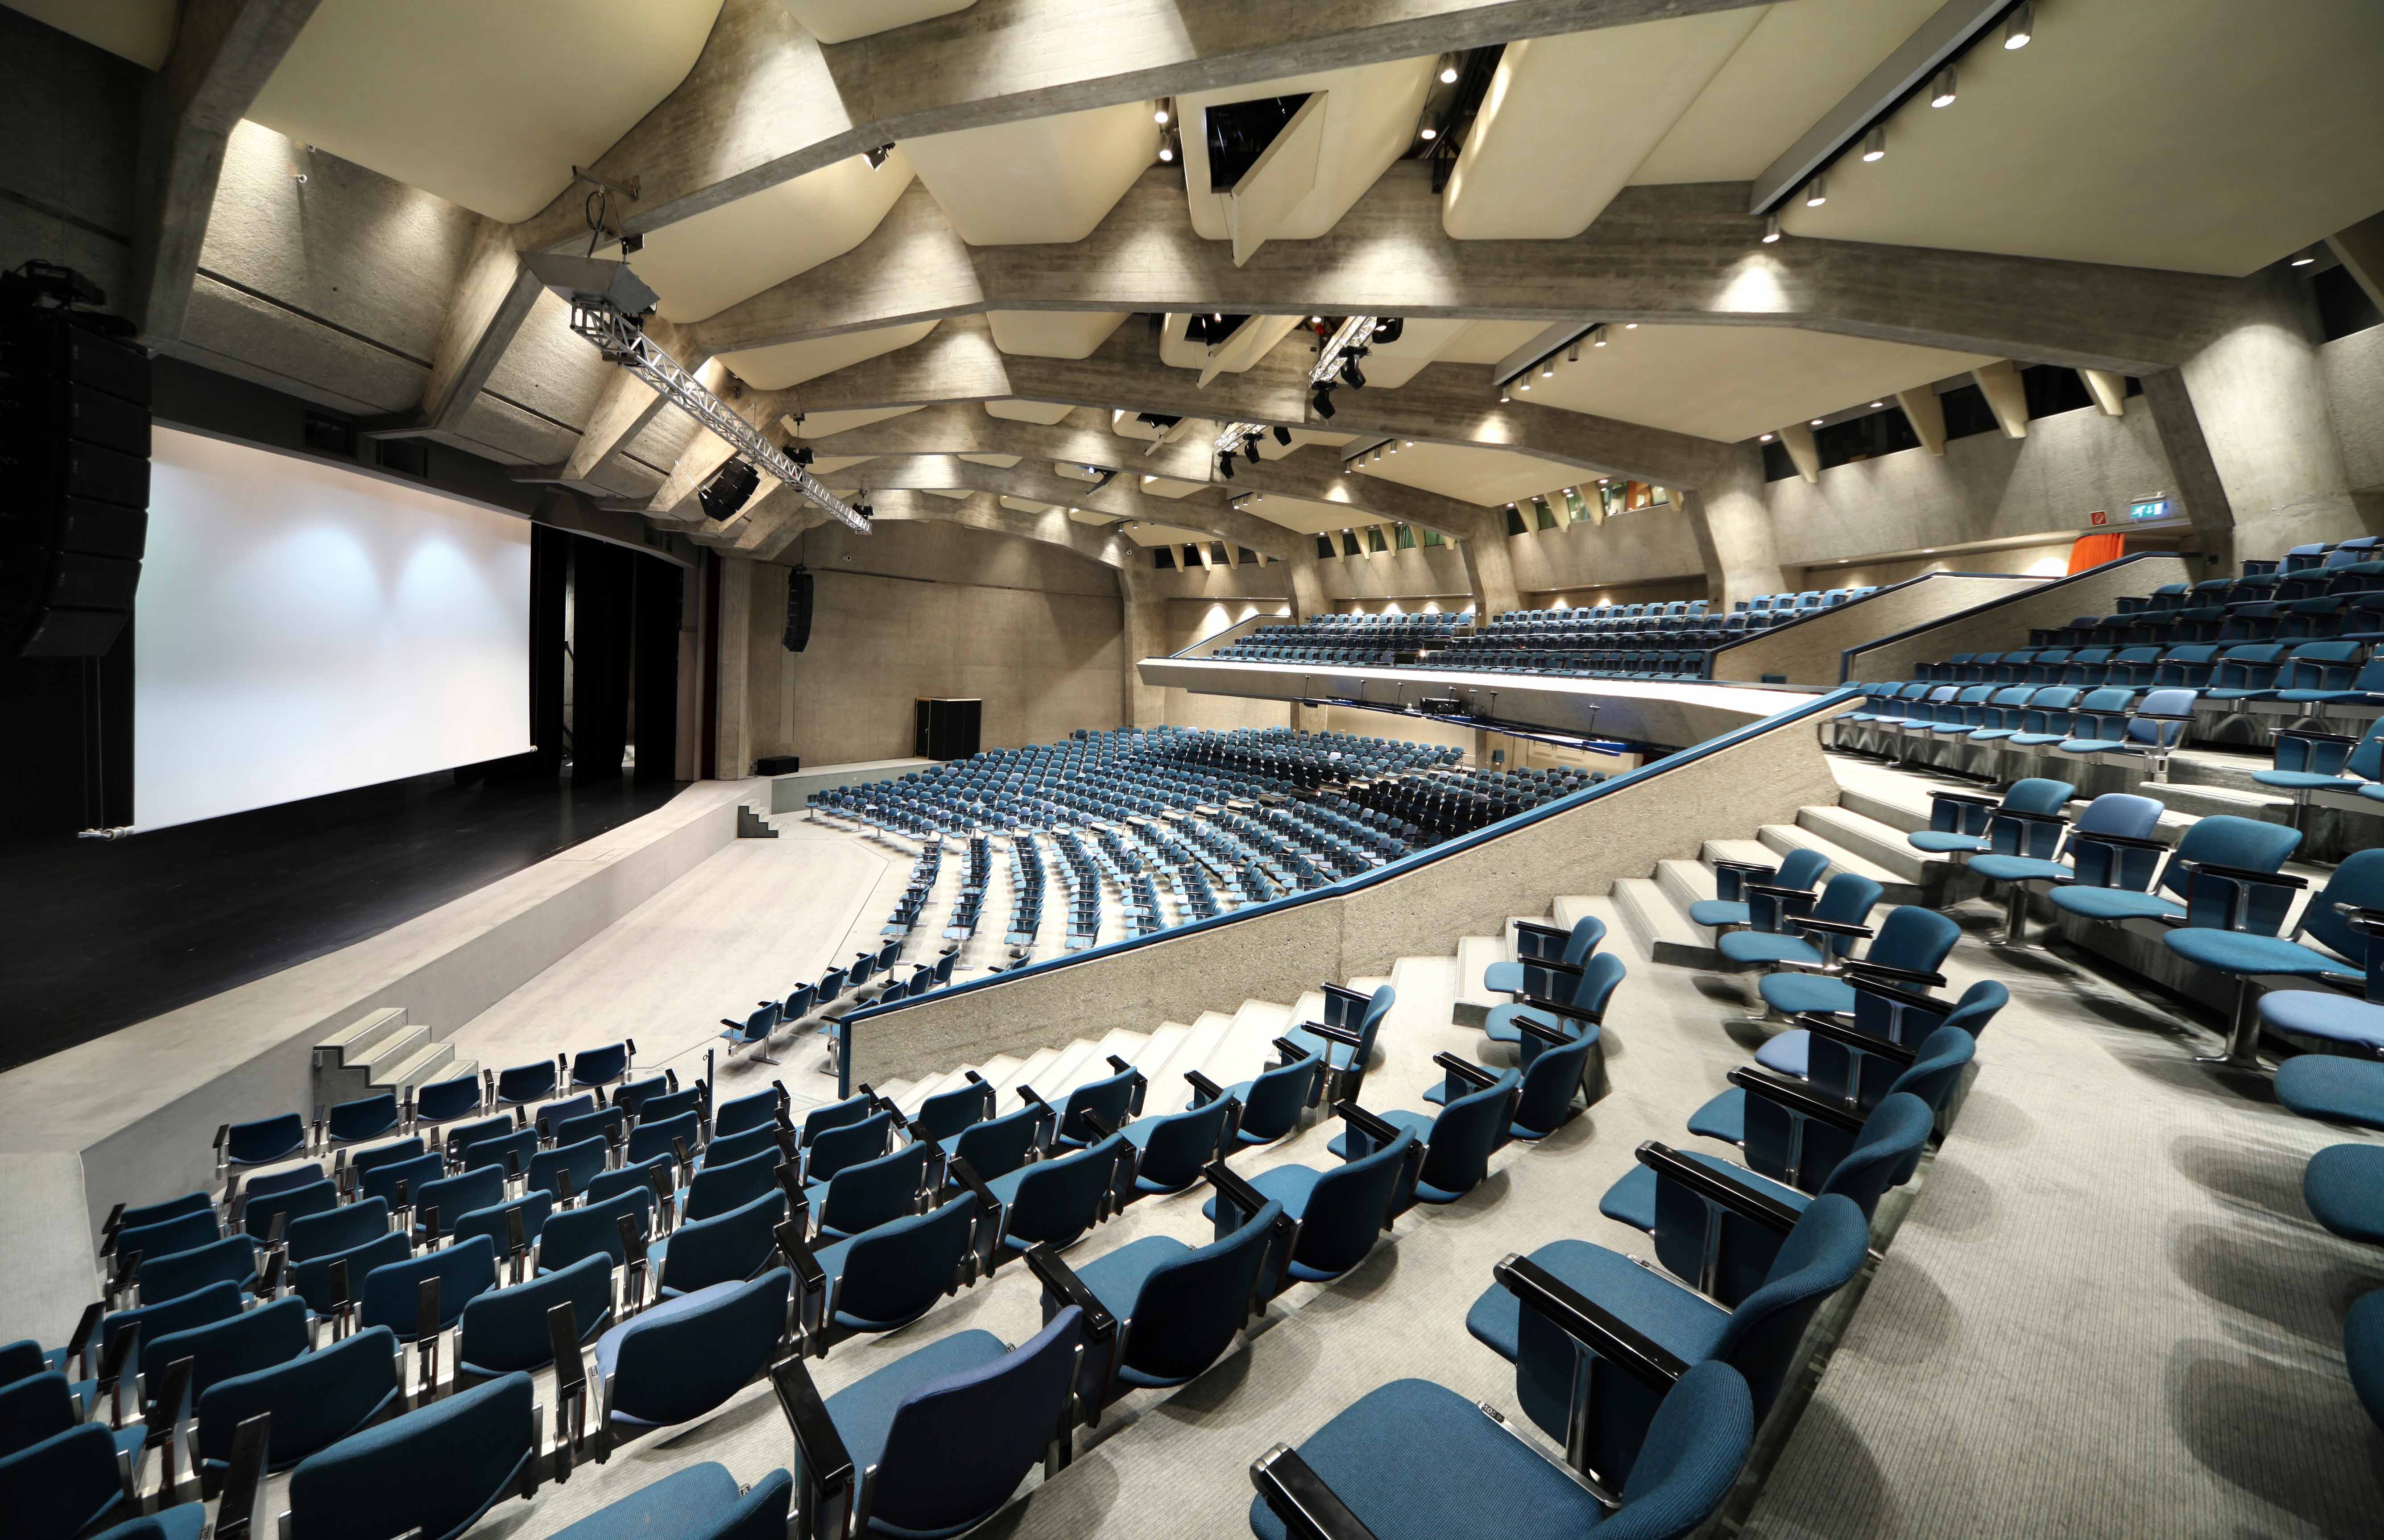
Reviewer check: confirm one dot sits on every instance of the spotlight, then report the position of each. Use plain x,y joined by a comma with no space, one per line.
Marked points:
1351,374
1941,93
1547,368
1877,405
1390,328
1522,384
1817,193
1167,154
1504,399
1429,134
1283,435
1448,74
1225,464
876,157
1766,439
1323,401
1817,422
801,456
1250,448
1377,456
2304,256
1573,353
1597,335
1772,230
1159,117
2020,26
1630,326
1875,143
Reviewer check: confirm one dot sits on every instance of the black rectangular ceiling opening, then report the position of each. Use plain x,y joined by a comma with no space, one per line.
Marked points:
1238,132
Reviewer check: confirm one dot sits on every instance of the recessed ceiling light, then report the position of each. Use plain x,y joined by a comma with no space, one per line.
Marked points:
1941,93
2304,256
1817,422
1167,152
1448,74
1630,326
1875,143
1876,405
1430,133
1766,439
2021,26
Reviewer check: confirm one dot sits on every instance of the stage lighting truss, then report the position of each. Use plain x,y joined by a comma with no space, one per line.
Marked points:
1345,347
621,337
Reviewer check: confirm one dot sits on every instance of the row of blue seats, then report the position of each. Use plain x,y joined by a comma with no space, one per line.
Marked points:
2313,679
2111,726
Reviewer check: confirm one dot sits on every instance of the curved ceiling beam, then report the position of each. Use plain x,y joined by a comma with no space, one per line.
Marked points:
966,427
766,101
1678,253
978,511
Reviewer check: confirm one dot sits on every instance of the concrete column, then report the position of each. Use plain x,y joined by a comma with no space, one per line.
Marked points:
1797,437
1490,574
2361,249
2007,395
1142,634
2252,407
733,725
1925,413
1305,581
1734,531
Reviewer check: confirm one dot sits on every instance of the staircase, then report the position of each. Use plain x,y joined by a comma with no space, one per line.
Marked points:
381,1051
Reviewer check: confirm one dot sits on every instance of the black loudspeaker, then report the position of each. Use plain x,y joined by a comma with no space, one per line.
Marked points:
799,609
74,458
947,728
780,765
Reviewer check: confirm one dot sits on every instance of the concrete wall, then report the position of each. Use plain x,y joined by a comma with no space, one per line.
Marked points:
2353,367
1278,955
69,115
2095,591
2050,559
918,609
1810,652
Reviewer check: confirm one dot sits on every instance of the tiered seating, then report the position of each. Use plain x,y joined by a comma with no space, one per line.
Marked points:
1365,640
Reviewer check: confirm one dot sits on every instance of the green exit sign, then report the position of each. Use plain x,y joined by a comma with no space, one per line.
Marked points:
2152,507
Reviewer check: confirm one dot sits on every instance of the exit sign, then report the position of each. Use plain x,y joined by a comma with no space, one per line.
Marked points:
2152,507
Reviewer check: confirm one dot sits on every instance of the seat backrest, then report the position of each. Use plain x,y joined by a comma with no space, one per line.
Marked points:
1349,1205
2123,813
1824,1249
945,1114
864,1196
1174,1150
1695,1446
311,1281
2039,794
1276,1097
662,1137
2249,844
584,1161
2359,881
894,1273
1596,985
34,1407
265,1139
464,1270
730,1185
167,1237
1885,1153
1109,1099
554,1112
727,1250
316,1400
217,1301
57,1488
998,1146
1457,1155
836,1115
958,1446
531,1082
739,1113
685,1357
453,1196
434,1469
1188,1310
172,1207
1800,868
1913,938
1551,1076
315,1197
445,1101
347,1226
594,1229
849,1146
496,1220
1058,1200
1849,899
1937,1067
237,1344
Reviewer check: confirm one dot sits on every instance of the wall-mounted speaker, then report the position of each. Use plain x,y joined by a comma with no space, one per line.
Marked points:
799,609
74,450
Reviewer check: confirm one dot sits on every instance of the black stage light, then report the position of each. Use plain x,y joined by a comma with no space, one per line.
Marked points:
801,455
1250,449
1351,374
1225,464
1283,435
1389,328
1323,402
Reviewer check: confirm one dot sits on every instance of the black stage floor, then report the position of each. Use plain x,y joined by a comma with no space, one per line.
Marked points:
97,935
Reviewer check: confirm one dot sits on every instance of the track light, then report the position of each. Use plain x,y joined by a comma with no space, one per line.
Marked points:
801,456
1504,399
1875,143
1522,384
2020,26
1283,435
1167,152
1225,464
1351,374
1448,74
1772,230
876,157
1817,193
1547,368
1323,401
1573,353
1597,335
1766,439
1250,448
1159,117
1941,93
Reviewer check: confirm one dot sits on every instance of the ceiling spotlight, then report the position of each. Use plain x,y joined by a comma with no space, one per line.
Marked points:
1283,435
876,157
1630,326
2304,256
1875,143
1504,399
1766,439
1323,401
1941,93
1817,193
1877,405
1167,154
1159,117
2020,26
1429,134
1597,335
1817,422
1215,316
1770,230
1225,464
1522,384
1573,353
1378,455
1351,374
1448,74
1547,368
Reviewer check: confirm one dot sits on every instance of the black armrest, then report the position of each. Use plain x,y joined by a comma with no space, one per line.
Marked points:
958,1169
1553,965
2308,736
1595,1328
87,1327
1855,1038
1783,894
1118,1066
2124,841
1346,1035
1531,1027
1832,927
1968,798
236,1515
1720,865
1030,1093
1863,978
1337,991
2027,817
1308,1508
1706,1183
810,1277
1232,1191
2367,922
1061,1283
799,1202
1204,1090
1471,1075
1096,1123
2242,873
1796,1097
827,1497
1366,1122
1292,1052
1864,966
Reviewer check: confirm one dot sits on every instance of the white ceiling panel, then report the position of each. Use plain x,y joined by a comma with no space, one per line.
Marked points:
1486,342
998,461
785,364
1567,119
704,264
1040,181
487,106
820,425
1489,477
1053,333
2208,136
142,30
842,21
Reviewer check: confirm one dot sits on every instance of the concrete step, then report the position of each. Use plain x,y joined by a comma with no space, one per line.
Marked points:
1658,927
1908,813
1120,1042
999,1071
1200,1041
1685,882
2212,768
1247,1045
1061,1067
1157,1062
1474,954
2205,800
1881,844
1784,837
431,1061
1742,850
1569,907
354,1040
391,1050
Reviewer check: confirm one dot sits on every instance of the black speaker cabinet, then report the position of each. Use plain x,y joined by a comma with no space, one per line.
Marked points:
947,728
799,610
780,765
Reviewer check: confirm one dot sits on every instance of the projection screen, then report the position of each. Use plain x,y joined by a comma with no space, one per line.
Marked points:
300,629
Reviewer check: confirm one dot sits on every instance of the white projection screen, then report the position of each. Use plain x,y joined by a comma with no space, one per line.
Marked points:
301,630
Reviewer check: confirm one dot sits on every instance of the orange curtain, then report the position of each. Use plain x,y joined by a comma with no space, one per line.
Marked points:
2095,550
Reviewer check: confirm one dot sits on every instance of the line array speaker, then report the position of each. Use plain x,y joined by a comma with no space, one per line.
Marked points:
799,610
74,460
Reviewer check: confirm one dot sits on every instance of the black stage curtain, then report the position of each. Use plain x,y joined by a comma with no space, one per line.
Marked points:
603,622
655,669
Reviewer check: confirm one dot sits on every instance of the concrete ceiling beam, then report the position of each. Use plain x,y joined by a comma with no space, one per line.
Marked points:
224,51
966,427
1684,254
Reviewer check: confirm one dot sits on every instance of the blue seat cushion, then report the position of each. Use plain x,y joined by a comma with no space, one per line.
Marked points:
685,1505
2036,741
1633,1200
2018,868
863,1411
1723,1118
1416,1462
2333,1089
1793,993
1503,979
2304,780
1718,913
2363,1352
2232,951
608,1346
1676,1318
2344,1188
1790,1054
2115,904
182,1521
1500,1023
1940,842
1763,946
1289,1186
2318,1014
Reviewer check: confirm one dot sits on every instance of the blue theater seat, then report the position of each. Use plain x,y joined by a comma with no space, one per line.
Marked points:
435,1470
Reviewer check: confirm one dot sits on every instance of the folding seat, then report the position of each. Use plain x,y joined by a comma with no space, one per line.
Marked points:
2328,1087
366,1118
1340,1211
329,1285
259,1143
701,1502
261,1211
2198,872
1875,1004
2086,667
2322,674
1963,715
819,1119
657,1175
1055,1202
848,1145
391,1296
340,1229
1963,822
1572,1000
2308,761
523,1084
662,1137
576,1164
502,1222
1757,1335
2099,863
549,1117
2246,673
686,1356
1833,924
1172,1149
166,1236
439,1204
1572,948
594,1230
434,1471
1350,1012
1478,1108
872,1192
1906,950
2047,719
883,1278
879,1453
41,1406
2332,943
243,1343
1717,1225
1111,1099
2191,667
509,1154
729,1249
70,1484
1272,1101
752,1033
719,1187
